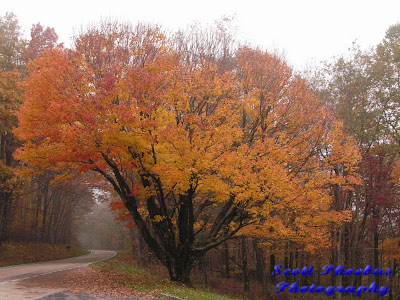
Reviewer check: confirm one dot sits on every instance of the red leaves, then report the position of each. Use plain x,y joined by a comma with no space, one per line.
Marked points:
109,82
122,214
89,119
252,133
116,205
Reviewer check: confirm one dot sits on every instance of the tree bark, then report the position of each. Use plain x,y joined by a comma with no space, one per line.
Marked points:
271,267
171,235
246,282
225,251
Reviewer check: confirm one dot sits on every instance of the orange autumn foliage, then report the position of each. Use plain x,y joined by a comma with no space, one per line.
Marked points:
198,151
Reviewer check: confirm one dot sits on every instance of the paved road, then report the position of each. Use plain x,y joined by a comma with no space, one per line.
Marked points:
13,288
80,296
21,272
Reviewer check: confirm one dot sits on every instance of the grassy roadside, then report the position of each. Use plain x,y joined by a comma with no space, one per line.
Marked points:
14,253
126,272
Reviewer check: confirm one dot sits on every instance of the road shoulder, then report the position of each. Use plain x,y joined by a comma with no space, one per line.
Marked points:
83,280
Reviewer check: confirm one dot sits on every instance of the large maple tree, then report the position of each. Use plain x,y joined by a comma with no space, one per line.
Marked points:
194,151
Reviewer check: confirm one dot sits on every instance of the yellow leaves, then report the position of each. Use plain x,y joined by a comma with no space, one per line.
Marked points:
217,189
62,178
254,134
158,218
8,178
396,172
343,150
391,249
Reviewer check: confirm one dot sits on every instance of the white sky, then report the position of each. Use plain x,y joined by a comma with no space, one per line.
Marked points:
308,31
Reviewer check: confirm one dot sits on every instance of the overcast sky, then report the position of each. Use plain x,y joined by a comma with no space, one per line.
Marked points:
307,31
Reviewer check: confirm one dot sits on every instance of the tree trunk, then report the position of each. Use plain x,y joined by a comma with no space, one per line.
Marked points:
179,269
271,267
171,234
6,196
375,213
203,267
260,266
46,201
246,282
260,272
391,281
225,251
5,210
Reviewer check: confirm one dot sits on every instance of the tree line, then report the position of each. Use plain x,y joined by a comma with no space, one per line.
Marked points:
32,208
363,89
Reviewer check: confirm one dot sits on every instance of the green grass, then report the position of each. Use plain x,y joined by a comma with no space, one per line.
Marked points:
127,273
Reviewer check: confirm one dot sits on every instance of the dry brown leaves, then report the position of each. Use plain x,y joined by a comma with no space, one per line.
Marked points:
85,280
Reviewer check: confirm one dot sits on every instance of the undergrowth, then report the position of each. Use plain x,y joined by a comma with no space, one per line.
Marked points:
126,272
13,253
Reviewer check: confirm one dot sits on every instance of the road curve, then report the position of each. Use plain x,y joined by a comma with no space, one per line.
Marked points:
21,272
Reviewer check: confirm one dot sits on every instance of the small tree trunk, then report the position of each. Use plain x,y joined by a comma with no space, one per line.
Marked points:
225,251
259,261
390,279
287,260
246,282
375,213
271,267
45,211
203,267
260,267
5,202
